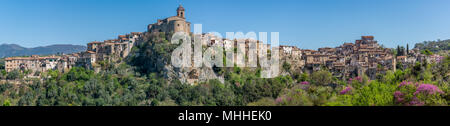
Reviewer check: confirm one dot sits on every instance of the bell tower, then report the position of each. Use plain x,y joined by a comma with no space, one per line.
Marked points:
180,12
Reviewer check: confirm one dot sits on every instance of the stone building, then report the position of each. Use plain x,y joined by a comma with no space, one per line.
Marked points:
364,57
110,50
67,62
172,24
34,63
86,59
293,56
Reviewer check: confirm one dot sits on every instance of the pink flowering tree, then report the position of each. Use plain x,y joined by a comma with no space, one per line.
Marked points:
346,90
418,94
294,97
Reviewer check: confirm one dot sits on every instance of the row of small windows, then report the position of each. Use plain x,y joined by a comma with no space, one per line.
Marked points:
179,25
15,65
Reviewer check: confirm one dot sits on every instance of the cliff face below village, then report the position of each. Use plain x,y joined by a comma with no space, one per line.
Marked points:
152,54
10,50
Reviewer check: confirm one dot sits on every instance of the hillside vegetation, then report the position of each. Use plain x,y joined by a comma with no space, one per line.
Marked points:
434,46
140,80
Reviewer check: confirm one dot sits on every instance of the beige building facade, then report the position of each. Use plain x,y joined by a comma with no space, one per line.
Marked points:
172,24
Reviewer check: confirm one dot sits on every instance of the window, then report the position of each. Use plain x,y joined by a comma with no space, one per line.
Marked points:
178,25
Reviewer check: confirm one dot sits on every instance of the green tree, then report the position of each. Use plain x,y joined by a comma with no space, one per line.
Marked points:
3,74
6,103
268,101
321,77
427,52
374,94
13,75
286,66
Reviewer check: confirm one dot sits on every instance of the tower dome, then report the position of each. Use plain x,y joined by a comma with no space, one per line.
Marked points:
180,11
180,8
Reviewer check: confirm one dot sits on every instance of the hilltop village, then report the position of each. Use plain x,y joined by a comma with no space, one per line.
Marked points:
363,57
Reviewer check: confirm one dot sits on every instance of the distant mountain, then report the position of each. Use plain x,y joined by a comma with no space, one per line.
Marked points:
9,50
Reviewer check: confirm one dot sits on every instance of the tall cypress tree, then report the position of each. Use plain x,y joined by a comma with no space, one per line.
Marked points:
407,49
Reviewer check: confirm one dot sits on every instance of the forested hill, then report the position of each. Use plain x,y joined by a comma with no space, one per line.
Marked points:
10,50
434,46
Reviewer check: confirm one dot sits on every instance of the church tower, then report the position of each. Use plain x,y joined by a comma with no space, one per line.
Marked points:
180,12
173,24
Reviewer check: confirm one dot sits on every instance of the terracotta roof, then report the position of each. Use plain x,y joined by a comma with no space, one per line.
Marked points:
180,8
31,58
309,50
367,37
401,57
348,43
136,33
95,42
18,58
317,55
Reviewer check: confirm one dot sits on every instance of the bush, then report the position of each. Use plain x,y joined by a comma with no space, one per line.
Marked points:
321,77
296,96
416,94
374,94
13,75
267,101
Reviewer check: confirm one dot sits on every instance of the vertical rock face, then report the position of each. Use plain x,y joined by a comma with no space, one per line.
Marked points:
154,51
190,75
153,55
209,74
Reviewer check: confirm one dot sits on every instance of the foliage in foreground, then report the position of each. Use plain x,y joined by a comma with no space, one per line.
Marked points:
119,84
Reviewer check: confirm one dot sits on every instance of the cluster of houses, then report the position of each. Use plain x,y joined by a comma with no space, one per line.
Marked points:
34,62
365,56
412,56
108,50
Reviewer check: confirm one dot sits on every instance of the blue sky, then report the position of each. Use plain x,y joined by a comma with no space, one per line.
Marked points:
303,23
